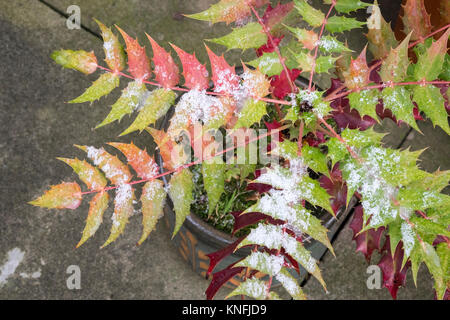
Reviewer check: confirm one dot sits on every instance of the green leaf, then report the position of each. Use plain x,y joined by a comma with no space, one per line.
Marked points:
325,63
268,63
430,101
429,65
445,74
347,6
396,64
126,104
395,234
398,100
106,83
290,284
180,191
153,199
336,150
419,199
308,38
155,106
81,60
433,263
329,44
312,192
315,159
97,208
365,102
213,173
340,24
87,173
253,288
251,112
249,36
426,226
313,16
114,54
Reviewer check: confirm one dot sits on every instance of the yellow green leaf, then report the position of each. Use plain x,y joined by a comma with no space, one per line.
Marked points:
180,191
106,83
87,173
153,199
97,207
64,195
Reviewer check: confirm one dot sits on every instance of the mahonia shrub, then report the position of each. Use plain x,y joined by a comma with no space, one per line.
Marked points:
328,149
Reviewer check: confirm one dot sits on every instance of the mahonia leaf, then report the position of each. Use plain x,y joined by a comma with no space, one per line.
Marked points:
268,63
180,191
106,83
430,101
416,19
117,172
269,46
427,226
253,288
213,172
223,75
340,24
138,62
126,104
396,63
280,83
227,11
445,74
274,16
155,106
87,173
123,209
313,16
433,263
80,60
436,181
249,36
114,54
429,64
398,100
194,73
252,111
336,188
308,38
143,164
419,199
219,279
153,199
347,6
64,195
315,159
443,253
365,102
97,208
263,262
290,284
166,71
312,192
357,75
381,37
324,64
165,146
329,44
255,83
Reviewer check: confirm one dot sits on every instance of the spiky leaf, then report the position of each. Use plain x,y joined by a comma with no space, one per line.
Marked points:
252,112
194,73
430,101
87,173
313,16
114,54
80,60
365,102
64,195
340,24
97,208
106,83
180,191
398,100
347,6
213,172
153,199
166,71
249,36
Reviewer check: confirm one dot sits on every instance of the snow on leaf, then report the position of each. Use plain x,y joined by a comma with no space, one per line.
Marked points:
396,63
138,62
223,75
227,11
357,75
308,38
430,101
80,60
290,284
365,102
416,19
166,71
64,195
254,288
143,164
123,209
398,100
87,173
341,23
114,54
117,172
252,112
154,107
249,36
263,262
313,16
213,172
153,199
97,207
254,83
106,83
315,159
194,73
126,104
180,191
329,44
268,63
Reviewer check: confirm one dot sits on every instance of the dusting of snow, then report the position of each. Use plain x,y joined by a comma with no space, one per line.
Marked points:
265,262
102,159
289,283
254,288
109,49
408,238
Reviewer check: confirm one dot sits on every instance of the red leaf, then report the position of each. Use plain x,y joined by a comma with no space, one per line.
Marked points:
268,47
223,75
259,187
417,115
367,241
335,187
444,89
416,19
166,71
216,257
194,73
219,279
273,16
273,126
394,275
138,62
314,139
249,218
280,83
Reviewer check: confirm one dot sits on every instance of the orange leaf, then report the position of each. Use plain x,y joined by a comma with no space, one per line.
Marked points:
416,19
194,73
357,76
166,71
64,195
138,62
165,146
223,75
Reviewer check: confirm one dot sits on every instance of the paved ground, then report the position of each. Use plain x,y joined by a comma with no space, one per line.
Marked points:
36,126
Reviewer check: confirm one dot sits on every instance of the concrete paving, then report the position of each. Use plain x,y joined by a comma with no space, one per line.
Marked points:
36,125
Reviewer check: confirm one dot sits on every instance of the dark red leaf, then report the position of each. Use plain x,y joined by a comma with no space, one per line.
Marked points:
394,275
444,89
367,241
249,218
273,126
273,16
219,279
268,47
335,187
259,187
280,83
314,139
216,257
417,115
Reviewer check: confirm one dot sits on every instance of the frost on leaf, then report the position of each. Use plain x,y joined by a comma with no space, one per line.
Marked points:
153,199
166,71
398,100
114,54
80,60
223,75
106,83
194,73
254,288
165,146
341,23
396,63
87,173
290,284
138,62
64,195
430,101
180,191
263,262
